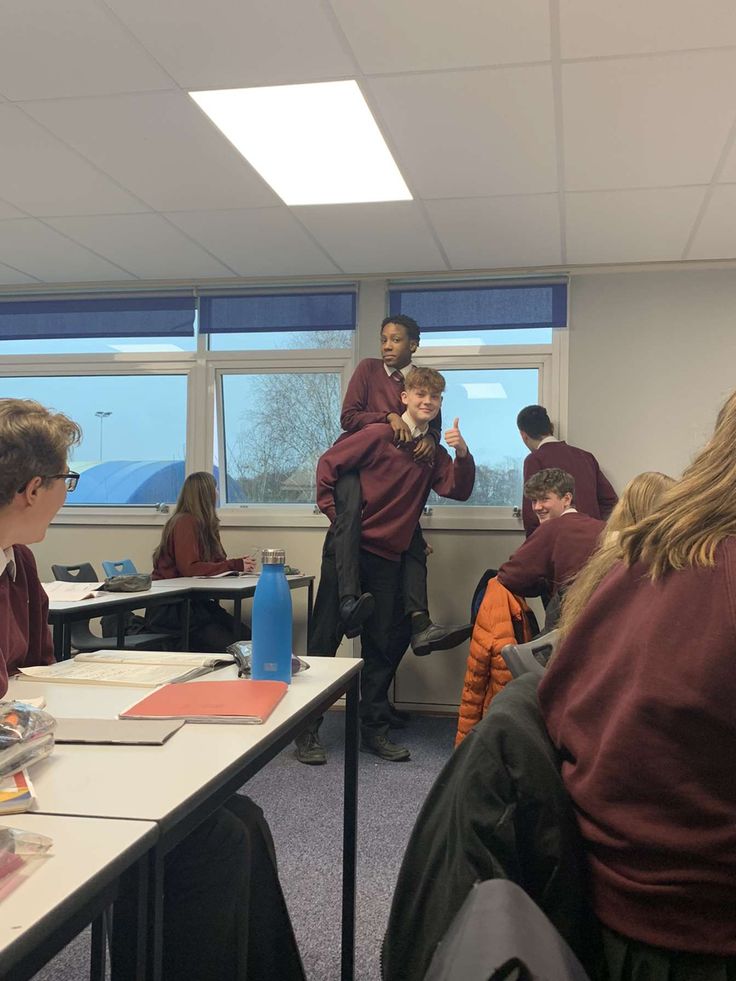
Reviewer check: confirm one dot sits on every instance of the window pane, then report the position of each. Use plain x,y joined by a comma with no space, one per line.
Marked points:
275,427
100,345
278,341
487,402
476,338
134,426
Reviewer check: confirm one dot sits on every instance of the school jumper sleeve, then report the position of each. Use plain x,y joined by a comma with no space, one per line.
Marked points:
607,496
349,453
184,544
25,639
355,414
453,478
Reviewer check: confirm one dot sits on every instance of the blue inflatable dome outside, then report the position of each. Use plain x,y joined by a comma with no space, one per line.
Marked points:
137,482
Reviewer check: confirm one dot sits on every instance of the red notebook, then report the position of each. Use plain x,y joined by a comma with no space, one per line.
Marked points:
211,701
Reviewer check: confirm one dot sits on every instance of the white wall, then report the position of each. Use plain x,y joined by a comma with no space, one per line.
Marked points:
652,355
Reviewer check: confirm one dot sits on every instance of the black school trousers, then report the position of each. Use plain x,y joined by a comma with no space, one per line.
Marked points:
225,917
347,530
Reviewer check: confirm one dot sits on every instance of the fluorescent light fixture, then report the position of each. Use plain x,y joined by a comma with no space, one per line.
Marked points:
314,144
485,390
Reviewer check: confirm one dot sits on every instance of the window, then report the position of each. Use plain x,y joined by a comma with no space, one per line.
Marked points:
134,446
275,427
487,402
498,347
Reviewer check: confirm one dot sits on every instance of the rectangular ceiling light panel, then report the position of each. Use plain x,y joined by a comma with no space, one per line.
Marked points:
314,144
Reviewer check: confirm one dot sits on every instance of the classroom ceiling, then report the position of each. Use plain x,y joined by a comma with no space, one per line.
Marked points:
531,133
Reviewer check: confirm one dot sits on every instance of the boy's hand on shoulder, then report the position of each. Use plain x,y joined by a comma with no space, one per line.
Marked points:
402,433
454,438
425,449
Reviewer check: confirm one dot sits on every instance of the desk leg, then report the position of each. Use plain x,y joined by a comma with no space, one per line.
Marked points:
58,640
156,916
130,925
237,614
310,604
66,641
120,627
349,834
97,949
185,626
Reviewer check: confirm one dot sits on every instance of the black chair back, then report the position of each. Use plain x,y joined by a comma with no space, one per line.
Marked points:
532,657
84,572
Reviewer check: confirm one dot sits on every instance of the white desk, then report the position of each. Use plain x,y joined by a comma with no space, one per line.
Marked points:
183,589
179,784
71,888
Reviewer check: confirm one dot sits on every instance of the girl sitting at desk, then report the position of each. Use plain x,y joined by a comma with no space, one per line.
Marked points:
190,546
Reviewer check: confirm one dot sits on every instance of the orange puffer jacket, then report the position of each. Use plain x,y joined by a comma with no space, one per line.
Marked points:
502,619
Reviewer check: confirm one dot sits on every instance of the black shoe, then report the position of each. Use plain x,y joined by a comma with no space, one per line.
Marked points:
397,718
309,749
381,745
354,613
439,638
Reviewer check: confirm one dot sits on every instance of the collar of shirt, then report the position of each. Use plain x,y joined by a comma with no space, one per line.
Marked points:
404,371
569,511
548,439
416,431
7,561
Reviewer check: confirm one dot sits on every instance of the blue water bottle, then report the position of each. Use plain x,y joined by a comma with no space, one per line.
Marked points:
272,620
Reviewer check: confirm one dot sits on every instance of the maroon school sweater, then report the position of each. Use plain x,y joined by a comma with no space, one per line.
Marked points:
395,487
553,555
641,699
25,639
371,395
593,493
183,555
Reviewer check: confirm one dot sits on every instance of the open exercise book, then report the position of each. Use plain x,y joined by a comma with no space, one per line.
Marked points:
211,701
136,669
69,592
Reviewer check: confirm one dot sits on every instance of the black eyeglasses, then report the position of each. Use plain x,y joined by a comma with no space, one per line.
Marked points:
71,478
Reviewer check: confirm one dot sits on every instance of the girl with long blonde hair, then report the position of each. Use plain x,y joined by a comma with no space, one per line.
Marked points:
639,498
190,546
639,700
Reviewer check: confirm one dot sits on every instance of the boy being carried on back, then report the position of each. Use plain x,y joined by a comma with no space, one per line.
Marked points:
374,396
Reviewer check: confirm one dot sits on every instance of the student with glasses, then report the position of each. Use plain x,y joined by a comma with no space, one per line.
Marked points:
225,917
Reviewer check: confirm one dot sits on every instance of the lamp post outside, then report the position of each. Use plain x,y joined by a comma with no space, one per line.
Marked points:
102,415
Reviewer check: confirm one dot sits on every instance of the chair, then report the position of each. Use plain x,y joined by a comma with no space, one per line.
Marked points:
499,932
82,637
124,567
532,657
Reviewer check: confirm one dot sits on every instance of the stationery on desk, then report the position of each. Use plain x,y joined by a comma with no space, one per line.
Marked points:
16,793
242,701
115,732
136,669
225,575
69,592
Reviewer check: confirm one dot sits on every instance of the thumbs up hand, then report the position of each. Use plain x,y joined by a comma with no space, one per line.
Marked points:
454,438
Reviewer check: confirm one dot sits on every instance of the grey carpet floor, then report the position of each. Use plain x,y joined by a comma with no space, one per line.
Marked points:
303,805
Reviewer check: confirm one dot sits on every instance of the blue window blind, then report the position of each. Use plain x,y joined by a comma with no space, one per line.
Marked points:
140,316
277,312
488,307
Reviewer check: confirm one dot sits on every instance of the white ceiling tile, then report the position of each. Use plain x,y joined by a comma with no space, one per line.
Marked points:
489,233
8,211
647,122
257,242
52,50
592,28
471,134
44,177
233,43
161,146
370,238
631,226
417,35
146,245
32,247
716,236
728,174
11,277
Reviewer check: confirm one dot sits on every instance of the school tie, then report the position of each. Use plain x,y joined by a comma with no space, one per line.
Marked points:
398,377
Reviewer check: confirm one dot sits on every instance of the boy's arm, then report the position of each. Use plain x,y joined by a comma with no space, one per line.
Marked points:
454,478
607,497
354,415
529,567
347,454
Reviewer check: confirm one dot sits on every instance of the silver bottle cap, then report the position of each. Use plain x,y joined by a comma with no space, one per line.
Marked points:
273,556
